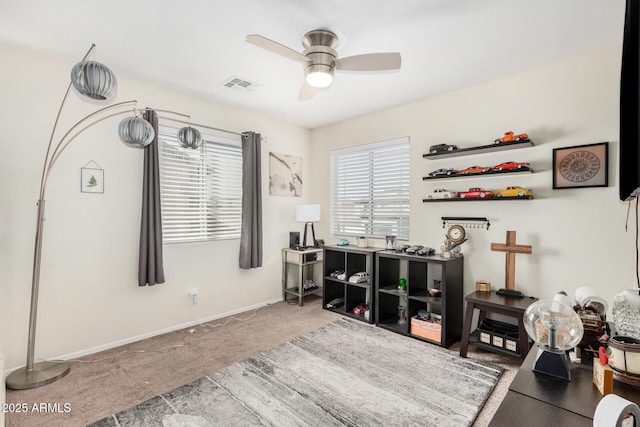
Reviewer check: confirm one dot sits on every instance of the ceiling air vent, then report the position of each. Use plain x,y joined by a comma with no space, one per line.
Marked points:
239,83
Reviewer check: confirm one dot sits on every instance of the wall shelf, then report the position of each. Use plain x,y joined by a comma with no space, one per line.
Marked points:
476,175
473,199
480,149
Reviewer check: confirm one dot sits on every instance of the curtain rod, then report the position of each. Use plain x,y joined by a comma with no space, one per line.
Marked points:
197,125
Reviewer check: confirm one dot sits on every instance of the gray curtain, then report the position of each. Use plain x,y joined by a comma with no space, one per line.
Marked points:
151,268
251,232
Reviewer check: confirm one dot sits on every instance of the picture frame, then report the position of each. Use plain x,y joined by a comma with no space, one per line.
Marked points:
581,166
285,175
92,180
390,242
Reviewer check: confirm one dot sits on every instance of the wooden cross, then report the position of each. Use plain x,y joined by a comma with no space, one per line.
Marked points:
511,249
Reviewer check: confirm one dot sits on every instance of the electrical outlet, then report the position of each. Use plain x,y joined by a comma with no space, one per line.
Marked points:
194,295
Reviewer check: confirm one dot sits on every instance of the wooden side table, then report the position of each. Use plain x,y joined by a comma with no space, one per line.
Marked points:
304,260
490,302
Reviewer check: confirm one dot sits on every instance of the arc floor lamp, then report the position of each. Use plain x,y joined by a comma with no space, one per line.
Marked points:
95,81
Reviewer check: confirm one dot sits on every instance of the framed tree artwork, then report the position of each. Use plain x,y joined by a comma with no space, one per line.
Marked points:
581,166
92,179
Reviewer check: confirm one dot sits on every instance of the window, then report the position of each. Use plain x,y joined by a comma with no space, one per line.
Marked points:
370,190
200,190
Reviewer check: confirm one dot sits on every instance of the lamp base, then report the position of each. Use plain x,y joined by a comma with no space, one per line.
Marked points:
43,373
552,364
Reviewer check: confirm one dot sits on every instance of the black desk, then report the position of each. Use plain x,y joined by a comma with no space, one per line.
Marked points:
490,302
540,400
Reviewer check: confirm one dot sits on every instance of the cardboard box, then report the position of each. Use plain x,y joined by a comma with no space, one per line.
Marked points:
602,377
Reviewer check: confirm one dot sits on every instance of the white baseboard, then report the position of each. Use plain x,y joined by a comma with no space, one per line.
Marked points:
130,340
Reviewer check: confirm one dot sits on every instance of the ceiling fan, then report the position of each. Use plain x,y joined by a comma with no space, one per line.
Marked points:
320,59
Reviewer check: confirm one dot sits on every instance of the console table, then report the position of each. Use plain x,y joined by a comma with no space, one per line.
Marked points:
491,302
538,400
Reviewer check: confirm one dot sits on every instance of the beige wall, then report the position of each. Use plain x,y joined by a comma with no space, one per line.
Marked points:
89,297
578,236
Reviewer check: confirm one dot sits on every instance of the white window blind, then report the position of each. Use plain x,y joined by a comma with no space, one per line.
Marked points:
370,190
201,190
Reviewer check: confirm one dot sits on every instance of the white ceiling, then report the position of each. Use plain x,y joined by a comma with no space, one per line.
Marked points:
194,46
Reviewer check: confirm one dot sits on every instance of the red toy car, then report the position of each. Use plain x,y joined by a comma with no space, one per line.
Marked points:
474,169
478,193
510,166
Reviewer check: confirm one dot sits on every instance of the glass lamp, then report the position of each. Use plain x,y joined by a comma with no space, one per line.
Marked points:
555,328
308,214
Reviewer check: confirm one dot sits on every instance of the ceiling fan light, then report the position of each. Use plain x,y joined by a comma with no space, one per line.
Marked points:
319,75
319,79
94,80
136,132
189,137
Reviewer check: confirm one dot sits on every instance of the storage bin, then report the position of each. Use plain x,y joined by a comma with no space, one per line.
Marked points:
429,330
500,335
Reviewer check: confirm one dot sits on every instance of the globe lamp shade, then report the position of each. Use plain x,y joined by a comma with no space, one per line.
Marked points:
136,132
189,137
94,80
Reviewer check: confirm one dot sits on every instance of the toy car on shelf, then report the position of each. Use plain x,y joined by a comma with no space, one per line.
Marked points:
443,172
474,169
442,148
359,309
475,192
441,193
338,274
513,191
511,166
511,137
411,250
359,277
426,251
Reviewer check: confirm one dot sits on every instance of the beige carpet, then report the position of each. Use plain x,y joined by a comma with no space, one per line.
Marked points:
110,381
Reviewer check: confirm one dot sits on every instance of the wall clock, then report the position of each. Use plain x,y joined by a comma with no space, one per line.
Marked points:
456,233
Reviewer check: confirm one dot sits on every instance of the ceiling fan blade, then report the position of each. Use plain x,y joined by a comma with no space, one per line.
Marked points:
370,62
276,47
306,92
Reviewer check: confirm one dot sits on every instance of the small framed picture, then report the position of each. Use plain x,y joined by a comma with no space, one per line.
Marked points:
581,166
92,180
390,242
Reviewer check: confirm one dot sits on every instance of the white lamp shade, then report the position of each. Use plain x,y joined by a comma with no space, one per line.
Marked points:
308,213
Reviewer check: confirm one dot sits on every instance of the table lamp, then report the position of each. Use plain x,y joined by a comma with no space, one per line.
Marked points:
308,214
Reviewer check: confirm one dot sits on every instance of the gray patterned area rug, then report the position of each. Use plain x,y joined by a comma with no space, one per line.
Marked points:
344,374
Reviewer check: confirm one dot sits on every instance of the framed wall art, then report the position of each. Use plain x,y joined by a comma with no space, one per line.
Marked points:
581,166
92,179
285,175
